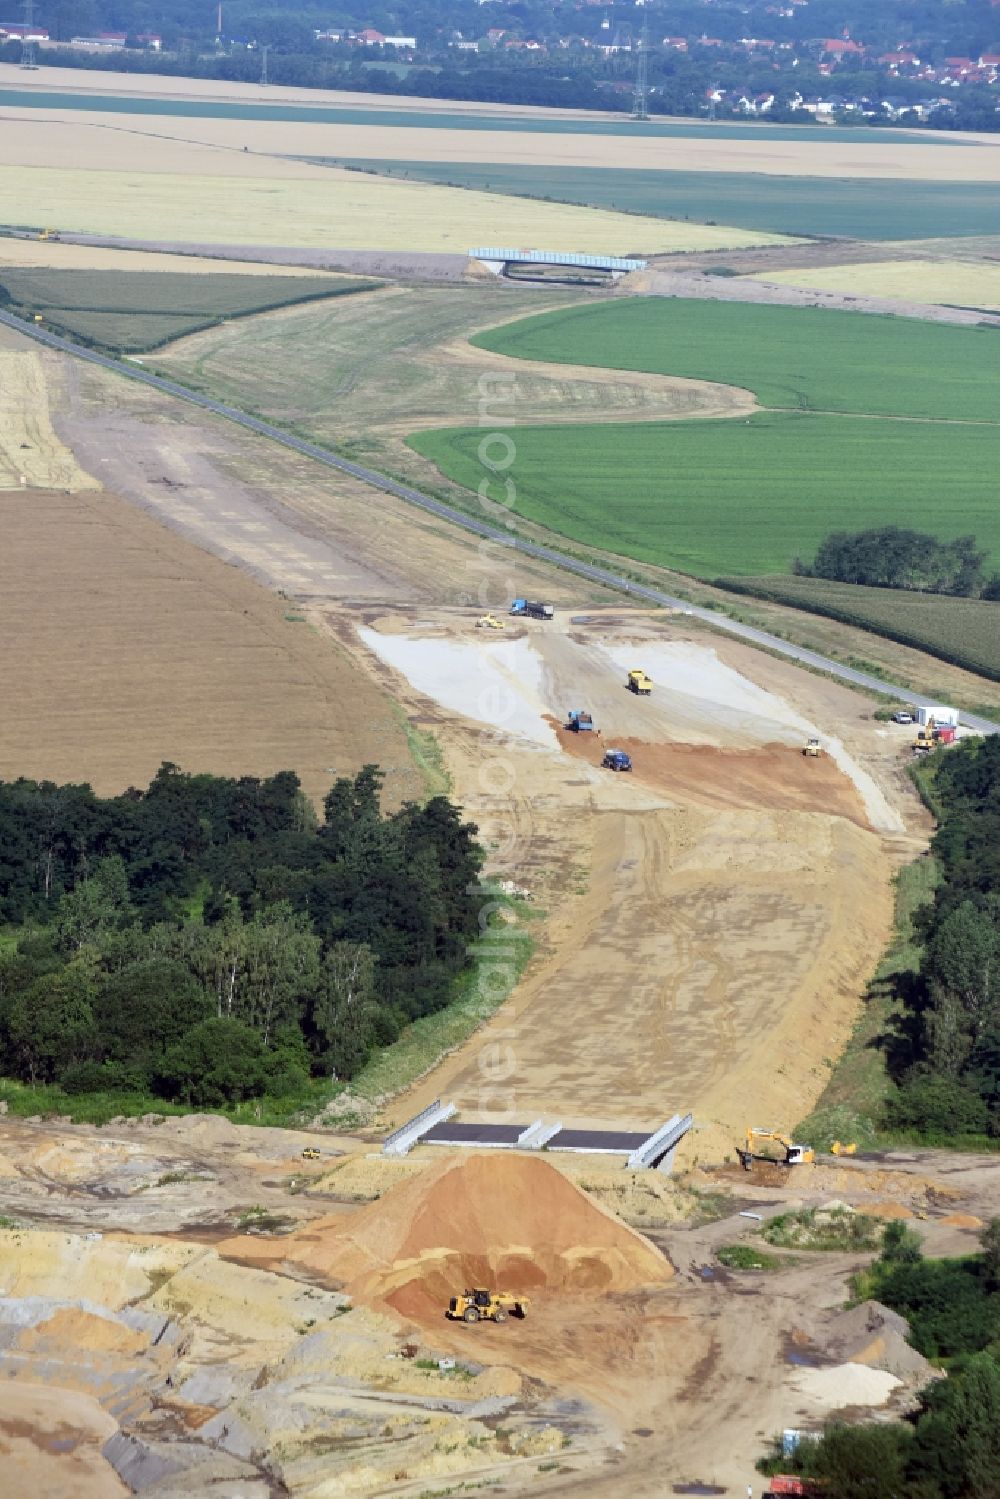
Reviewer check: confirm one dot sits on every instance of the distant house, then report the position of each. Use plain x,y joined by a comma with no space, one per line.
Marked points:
839,46
369,37
18,31
399,41
900,60
115,41
675,43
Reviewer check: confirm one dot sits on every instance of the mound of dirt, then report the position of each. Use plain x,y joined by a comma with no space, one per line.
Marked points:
512,1222
773,777
873,1335
962,1220
886,1210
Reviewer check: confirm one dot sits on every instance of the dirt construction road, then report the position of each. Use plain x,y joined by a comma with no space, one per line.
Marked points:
711,919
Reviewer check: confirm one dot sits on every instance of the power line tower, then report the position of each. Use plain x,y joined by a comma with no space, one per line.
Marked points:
265,49
27,41
640,94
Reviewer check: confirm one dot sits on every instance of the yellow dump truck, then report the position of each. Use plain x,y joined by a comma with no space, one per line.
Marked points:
486,1306
639,683
812,749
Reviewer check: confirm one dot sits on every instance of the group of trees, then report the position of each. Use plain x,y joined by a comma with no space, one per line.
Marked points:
891,557
948,1449
949,1051
209,940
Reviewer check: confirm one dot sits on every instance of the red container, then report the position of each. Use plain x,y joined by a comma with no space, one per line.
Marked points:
946,734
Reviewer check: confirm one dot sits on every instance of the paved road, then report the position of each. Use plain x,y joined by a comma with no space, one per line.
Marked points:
482,528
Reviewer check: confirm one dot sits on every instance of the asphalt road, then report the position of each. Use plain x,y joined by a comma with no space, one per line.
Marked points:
482,528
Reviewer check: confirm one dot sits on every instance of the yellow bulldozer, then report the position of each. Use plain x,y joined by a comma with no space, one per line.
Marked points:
841,1147
486,1306
771,1145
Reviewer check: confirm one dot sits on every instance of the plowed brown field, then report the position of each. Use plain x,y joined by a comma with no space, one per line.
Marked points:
125,646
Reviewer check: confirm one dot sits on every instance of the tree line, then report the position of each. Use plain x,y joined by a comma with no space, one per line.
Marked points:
946,1053
893,557
209,940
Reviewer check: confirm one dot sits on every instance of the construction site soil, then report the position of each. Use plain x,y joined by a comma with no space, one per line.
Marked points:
486,1220
704,930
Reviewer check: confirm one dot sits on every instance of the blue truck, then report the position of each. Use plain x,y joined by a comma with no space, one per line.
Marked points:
530,608
580,721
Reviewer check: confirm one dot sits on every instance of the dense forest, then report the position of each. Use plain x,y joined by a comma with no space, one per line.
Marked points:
947,1052
209,940
892,557
948,1448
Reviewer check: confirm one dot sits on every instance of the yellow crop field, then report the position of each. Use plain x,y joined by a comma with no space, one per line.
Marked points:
56,255
335,210
955,283
31,455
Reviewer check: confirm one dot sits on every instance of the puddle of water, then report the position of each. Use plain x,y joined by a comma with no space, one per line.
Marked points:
706,1272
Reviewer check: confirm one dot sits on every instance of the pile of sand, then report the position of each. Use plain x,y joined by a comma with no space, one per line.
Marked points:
505,1221
846,1385
876,1336
962,1220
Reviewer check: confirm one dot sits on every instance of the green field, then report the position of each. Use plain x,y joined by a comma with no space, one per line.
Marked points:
801,357
859,208
732,497
134,311
965,632
427,119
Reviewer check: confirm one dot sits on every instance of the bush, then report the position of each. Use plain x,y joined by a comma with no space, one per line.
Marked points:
940,1106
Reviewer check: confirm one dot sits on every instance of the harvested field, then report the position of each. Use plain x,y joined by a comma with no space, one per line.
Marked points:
30,451
493,1219
962,283
129,311
157,652
28,252
315,206
412,133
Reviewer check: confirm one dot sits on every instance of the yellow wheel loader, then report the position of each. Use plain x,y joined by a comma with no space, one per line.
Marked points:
486,1306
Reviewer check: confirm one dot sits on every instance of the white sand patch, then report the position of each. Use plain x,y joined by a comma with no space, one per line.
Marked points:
845,1385
496,682
704,690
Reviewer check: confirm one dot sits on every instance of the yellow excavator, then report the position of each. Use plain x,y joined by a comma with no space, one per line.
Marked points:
771,1145
486,1306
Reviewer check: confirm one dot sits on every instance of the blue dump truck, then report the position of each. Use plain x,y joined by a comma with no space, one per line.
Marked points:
616,760
579,721
530,608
